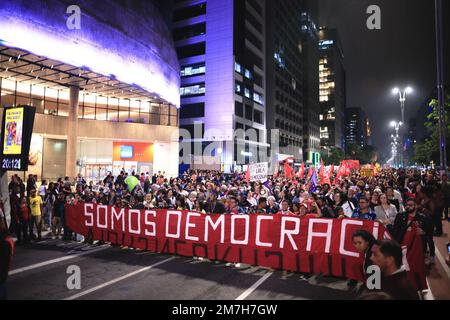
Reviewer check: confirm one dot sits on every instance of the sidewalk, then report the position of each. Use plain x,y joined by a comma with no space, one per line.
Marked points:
439,275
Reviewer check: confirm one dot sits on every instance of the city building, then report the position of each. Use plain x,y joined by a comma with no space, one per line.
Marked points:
106,92
310,70
222,55
357,129
283,75
332,94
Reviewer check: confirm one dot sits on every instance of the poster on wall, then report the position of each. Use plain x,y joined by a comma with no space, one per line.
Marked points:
13,131
17,127
35,155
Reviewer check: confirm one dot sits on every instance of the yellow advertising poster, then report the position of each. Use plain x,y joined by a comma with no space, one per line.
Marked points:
12,141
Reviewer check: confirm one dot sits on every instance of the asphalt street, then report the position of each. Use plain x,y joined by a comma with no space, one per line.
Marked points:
40,271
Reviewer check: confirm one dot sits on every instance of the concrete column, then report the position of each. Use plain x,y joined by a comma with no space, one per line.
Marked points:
72,133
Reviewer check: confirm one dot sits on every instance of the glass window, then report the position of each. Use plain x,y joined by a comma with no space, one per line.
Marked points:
197,89
239,109
238,87
237,67
257,98
193,70
63,109
191,50
194,110
248,74
247,93
257,116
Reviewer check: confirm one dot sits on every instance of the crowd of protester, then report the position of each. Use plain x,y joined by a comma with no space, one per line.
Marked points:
395,198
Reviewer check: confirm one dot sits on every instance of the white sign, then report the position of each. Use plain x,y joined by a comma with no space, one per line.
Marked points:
258,171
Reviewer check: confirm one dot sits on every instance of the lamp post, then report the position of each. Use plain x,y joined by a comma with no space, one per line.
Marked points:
402,99
395,138
440,84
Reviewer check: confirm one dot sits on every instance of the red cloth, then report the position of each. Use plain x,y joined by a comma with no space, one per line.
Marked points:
287,170
247,174
25,212
301,172
322,170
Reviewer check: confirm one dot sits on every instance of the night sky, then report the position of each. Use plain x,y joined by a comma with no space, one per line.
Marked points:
402,53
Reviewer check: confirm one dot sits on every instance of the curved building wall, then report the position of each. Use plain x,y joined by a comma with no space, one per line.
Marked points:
127,40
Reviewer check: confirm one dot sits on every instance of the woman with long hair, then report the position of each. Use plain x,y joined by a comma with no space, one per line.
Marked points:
363,242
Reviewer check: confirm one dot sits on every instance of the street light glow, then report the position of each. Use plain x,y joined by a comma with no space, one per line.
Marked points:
395,91
393,123
408,90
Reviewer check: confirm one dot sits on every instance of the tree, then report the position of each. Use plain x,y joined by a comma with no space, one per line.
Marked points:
334,155
428,150
366,154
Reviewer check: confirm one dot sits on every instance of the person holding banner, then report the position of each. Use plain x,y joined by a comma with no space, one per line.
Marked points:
364,212
388,256
272,207
424,226
285,208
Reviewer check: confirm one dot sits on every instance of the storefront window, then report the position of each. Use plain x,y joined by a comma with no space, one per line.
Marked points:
91,106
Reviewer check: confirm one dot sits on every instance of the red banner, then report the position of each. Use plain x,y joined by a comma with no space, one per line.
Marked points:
312,245
352,164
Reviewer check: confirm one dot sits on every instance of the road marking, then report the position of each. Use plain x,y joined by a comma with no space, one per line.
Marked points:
75,296
428,294
45,263
247,292
443,263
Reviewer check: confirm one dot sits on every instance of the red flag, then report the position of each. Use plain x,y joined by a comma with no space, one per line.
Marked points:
341,171
330,174
416,259
301,172
247,174
310,172
287,170
322,170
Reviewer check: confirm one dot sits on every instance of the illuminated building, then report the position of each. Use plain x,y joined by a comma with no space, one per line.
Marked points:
332,92
221,50
111,85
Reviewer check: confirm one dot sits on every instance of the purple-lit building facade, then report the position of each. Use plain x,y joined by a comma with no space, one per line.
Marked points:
114,80
221,50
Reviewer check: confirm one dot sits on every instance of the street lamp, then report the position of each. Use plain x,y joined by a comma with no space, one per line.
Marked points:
402,98
394,143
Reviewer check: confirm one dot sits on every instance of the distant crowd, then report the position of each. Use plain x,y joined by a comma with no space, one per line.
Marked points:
395,198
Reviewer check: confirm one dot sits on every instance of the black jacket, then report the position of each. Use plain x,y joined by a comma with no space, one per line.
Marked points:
399,287
5,258
401,225
219,207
